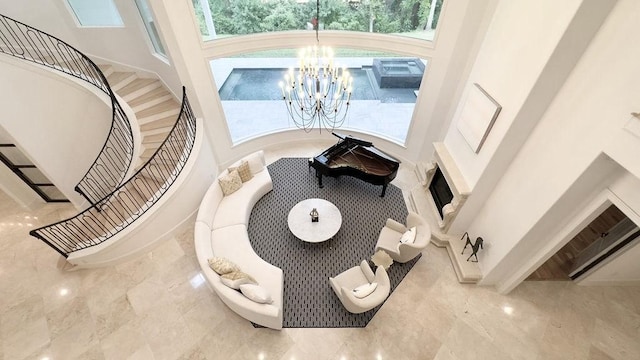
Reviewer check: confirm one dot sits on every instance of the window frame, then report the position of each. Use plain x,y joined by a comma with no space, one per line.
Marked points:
76,17
156,44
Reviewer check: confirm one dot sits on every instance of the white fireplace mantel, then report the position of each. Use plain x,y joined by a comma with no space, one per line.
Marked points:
423,203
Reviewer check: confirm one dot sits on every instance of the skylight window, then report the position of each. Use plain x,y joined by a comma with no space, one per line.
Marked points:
96,13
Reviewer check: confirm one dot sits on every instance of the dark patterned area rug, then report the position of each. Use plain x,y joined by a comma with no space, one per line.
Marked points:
309,300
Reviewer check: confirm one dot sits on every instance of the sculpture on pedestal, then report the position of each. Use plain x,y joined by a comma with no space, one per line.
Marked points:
474,246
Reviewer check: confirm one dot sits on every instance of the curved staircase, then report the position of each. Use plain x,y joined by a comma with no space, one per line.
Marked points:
120,204
155,107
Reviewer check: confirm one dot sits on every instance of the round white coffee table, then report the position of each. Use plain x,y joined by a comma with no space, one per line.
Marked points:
328,224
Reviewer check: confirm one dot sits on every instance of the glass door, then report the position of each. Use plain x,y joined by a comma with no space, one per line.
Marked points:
18,162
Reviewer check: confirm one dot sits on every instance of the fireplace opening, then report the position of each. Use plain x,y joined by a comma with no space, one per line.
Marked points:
440,191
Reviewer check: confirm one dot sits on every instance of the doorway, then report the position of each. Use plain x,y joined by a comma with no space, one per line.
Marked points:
560,265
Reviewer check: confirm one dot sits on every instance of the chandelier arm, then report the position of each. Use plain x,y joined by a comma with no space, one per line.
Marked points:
316,96
301,113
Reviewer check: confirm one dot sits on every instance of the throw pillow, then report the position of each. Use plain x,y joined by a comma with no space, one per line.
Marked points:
256,293
236,278
243,170
364,290
409,236
222,266
230,183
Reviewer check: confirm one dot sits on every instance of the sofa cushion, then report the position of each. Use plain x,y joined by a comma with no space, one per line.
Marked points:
230,183
364,290
236,208
243,170
209,205
256,161
232,242
409,236
222,266
236,278
256,293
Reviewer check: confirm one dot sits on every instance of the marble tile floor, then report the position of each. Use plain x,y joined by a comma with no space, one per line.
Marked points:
158,306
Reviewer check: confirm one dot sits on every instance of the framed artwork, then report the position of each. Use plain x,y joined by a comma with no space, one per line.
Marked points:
477,116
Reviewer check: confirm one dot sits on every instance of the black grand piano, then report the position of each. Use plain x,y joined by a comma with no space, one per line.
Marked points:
358,158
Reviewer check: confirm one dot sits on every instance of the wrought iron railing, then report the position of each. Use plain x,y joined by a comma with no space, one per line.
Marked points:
109,169
130,200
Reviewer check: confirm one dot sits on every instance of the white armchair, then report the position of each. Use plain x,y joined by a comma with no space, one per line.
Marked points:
345,283
391,233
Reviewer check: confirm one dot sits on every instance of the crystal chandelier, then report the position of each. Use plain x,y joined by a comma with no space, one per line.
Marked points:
318,94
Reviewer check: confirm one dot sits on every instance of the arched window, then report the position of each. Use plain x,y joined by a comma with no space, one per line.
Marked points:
224,18
385,89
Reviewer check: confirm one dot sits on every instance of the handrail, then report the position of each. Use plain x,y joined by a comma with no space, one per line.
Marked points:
110,167
132,199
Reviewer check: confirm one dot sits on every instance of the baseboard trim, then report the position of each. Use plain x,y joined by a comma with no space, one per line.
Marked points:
609,283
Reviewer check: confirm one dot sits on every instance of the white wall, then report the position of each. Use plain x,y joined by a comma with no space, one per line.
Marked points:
520,115
50,117
128,45
43,15
561,163
518,45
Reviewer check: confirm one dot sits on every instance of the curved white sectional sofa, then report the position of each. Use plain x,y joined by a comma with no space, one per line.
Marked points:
221,231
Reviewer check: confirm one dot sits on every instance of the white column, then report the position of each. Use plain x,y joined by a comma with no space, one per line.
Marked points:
183,40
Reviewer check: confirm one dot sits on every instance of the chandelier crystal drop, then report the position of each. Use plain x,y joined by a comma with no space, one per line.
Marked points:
318,92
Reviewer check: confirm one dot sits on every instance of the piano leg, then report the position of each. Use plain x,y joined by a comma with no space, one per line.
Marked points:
319,180
384,189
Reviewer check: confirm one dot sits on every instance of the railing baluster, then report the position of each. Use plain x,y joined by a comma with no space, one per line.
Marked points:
25,42
114,206
131,199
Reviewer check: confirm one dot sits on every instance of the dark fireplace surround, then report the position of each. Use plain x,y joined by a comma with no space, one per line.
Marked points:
445,186
440,191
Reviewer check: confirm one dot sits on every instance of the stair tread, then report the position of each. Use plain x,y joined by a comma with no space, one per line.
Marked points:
105,68
161,130
147,153
138,84
166,122
119,77
168,157
159,92
170,106
155,138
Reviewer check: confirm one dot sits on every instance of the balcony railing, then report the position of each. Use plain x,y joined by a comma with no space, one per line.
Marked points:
119,209
110,167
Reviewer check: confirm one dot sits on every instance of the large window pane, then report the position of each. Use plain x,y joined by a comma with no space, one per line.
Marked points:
222,18
384,92
96,12
149,24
